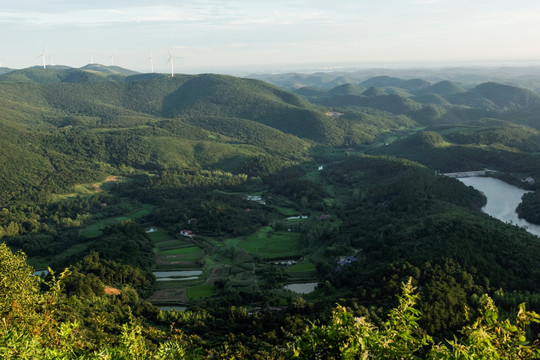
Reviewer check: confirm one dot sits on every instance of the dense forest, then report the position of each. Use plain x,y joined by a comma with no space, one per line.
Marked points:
176,218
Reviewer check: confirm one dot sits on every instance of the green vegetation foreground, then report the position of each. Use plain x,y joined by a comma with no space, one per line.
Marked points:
44,324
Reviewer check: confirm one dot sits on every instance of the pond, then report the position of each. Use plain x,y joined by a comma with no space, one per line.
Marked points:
502,200
41,272
301,288
183,275
159,274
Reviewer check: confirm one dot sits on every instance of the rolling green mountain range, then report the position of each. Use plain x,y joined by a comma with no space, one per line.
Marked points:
468,77
208,120
217,121
130,180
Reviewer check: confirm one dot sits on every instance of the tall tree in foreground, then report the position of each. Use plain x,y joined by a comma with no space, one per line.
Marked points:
350,337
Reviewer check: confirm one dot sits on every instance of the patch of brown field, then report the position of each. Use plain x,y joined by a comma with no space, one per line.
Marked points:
221,271
114,178
170,295
112,291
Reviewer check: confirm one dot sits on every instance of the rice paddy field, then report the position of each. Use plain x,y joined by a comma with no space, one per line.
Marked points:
304,270
201,291
267,243
240,261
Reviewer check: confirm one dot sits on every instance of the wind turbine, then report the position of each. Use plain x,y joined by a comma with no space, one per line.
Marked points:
42,56
52,60
151,63
112,60
171,60
91,57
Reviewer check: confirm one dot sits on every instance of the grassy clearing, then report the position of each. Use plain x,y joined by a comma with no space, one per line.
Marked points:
158,236
44,262
286,211
268,244
171,244
192,250
201,291
94,229
305,270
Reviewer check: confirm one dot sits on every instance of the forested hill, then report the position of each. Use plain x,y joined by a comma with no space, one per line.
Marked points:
83,93
63,126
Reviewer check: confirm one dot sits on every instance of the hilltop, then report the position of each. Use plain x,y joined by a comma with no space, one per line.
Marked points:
149,121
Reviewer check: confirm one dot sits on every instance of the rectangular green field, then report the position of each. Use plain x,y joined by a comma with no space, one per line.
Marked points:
165,285
187,253
268,244
158,236
303,270
170,244
286,211
201,291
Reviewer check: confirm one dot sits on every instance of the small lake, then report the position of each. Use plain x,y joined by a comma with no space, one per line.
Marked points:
41,273
160,274
184,275
304,288
502,200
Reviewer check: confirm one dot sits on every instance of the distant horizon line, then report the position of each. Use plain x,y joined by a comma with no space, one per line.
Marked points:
346,66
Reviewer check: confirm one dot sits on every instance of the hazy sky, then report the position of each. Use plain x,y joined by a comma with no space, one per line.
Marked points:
212,35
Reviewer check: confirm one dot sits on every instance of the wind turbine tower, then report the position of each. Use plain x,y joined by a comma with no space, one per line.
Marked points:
151,63
171,60
112,60
91,57
42,56
52,60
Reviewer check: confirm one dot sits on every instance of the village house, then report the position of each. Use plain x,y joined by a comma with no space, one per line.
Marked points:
343,260
256,198
186,233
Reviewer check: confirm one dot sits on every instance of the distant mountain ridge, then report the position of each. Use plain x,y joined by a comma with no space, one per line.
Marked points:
59,73
384,91
467,77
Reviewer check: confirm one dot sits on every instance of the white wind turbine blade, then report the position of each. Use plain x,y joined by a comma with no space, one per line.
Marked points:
171,60
42,56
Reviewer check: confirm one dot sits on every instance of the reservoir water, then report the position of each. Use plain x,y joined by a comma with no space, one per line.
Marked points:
303,288
502,200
